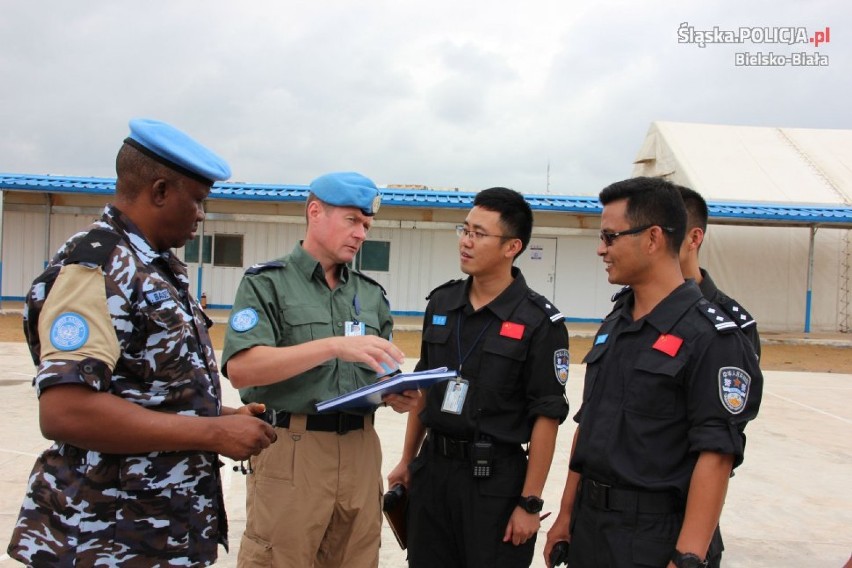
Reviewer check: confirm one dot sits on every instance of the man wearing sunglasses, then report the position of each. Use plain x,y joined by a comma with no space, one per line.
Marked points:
670,384
474,492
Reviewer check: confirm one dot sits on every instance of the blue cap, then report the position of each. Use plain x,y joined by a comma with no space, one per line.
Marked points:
173,148
348,189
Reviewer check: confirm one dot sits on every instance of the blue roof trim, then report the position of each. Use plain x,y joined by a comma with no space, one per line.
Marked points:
582,205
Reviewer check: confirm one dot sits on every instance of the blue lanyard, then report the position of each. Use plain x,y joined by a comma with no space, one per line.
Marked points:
475,341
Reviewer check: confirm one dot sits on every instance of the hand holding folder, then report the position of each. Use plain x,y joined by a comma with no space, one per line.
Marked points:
371,395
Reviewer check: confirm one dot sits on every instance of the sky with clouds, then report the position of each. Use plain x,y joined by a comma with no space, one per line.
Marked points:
446,93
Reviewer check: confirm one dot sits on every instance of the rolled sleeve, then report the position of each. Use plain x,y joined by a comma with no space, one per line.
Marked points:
718,410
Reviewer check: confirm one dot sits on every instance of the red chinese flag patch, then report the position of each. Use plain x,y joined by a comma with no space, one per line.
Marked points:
513,330
668,344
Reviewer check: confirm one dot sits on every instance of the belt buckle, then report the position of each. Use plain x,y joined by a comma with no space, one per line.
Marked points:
342,424
269,417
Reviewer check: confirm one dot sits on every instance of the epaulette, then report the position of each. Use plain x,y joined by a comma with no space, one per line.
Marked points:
620,293
736,312
716,315
261,266
93,248
547,307
370,280
444,285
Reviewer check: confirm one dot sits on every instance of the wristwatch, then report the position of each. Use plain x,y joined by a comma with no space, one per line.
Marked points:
687,560
531,504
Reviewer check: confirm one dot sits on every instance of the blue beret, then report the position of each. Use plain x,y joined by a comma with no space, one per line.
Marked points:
348,189
173,148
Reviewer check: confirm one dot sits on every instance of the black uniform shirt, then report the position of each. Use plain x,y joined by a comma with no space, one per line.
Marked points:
514,353
660,390
733,308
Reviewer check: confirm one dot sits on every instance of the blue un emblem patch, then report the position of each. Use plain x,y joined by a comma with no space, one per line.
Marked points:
69,332
244,320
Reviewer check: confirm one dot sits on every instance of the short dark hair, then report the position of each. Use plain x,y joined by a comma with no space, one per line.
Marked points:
651,201
696,208
135,170
516,216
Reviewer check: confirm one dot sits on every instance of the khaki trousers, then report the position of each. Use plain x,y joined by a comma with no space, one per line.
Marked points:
314,500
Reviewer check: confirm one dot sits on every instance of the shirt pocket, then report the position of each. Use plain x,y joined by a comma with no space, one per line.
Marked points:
371,323
653,387
168,337
305,323
437,334
501,368
592,369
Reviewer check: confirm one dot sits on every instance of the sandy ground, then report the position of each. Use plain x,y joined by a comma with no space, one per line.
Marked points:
775,356
789,504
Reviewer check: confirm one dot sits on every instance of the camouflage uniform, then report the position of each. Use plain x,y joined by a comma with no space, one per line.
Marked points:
145,341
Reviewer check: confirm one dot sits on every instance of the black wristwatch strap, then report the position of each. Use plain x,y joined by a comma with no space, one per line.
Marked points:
687,560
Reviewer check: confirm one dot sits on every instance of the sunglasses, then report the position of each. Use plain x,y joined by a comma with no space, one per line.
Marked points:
608,237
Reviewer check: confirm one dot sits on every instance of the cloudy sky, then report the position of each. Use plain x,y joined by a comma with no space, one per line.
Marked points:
445,93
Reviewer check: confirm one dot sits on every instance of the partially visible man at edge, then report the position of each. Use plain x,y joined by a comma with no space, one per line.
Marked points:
696,227
127,379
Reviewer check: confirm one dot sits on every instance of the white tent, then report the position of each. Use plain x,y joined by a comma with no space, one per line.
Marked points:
795,276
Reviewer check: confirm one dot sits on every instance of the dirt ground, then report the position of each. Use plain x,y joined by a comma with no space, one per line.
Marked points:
778,357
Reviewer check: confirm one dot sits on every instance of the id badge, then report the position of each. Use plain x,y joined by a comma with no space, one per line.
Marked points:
454,396
354,328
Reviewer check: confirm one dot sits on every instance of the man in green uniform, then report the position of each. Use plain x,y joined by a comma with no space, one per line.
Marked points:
306,328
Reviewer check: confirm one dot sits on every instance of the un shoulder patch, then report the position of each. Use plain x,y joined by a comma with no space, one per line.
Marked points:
69,332
734,385
244,320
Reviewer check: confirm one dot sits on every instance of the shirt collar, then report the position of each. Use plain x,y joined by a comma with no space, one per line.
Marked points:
668,312
503,305
311,268
707,286
122,223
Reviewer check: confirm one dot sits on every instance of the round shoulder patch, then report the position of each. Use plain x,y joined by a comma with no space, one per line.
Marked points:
734,385
244,320
69,332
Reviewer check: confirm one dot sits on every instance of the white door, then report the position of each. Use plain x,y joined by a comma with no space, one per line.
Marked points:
538,263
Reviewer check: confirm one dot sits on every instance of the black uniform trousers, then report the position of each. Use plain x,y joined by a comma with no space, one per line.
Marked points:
443,487
625,528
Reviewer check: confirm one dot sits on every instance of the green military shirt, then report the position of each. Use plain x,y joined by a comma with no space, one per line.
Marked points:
288,302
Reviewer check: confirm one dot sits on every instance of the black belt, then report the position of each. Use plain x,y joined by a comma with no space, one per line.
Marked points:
455,448
608,498
335,422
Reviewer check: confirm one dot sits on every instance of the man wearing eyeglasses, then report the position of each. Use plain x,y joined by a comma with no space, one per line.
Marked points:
474,492
670,384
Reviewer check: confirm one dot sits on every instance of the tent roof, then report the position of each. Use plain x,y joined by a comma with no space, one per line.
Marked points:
778,165
836,215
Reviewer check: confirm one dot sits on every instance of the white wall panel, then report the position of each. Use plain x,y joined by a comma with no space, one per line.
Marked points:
23,251
582,289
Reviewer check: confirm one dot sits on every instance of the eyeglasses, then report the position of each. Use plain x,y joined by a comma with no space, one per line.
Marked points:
461,231
609,237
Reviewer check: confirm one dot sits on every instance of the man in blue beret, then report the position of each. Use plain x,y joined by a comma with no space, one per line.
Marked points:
127,379
305,328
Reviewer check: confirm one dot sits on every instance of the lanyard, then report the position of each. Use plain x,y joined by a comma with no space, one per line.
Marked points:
462,359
